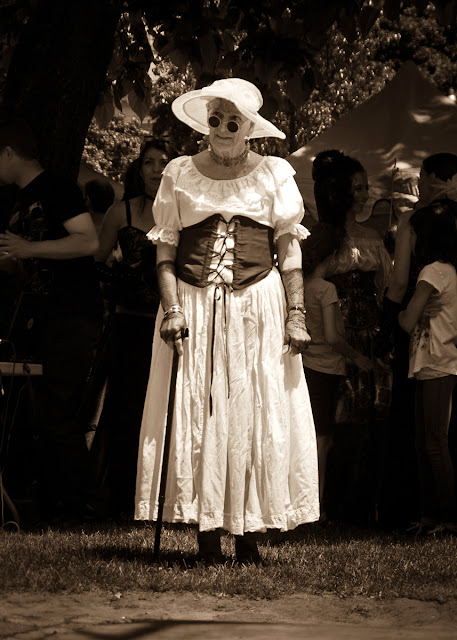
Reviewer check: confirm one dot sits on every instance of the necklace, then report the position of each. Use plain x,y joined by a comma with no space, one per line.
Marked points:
228,162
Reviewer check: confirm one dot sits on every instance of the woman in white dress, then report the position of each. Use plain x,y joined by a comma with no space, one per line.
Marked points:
243,451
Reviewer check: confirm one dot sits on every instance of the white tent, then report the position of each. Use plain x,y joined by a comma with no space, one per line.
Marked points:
391,133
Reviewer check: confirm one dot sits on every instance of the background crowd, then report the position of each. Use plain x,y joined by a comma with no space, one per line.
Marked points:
385,453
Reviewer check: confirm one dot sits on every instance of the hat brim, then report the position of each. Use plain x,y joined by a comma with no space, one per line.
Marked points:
190,108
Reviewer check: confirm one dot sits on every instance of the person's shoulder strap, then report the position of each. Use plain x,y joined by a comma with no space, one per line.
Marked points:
129,213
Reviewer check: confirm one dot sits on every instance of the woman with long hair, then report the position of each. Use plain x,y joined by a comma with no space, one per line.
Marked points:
360,270
132,291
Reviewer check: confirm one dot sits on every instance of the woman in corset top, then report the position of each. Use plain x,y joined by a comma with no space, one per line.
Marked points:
125,351
243,452
360,271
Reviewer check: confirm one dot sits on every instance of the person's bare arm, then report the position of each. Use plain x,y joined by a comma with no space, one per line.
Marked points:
402,260
289,252
409,318
81,241
112,222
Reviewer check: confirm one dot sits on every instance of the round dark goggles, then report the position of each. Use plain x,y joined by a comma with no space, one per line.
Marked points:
215,121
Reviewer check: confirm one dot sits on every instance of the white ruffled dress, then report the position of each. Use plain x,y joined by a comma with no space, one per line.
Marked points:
251,463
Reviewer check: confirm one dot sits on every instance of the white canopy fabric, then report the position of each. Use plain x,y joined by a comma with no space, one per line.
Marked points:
391,133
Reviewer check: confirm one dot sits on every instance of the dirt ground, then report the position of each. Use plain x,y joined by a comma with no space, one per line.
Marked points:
35,617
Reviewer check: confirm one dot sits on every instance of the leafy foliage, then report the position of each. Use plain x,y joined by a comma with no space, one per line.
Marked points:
418,36
110,150
168,84
128,71
111,146
350,72
312,60
277,44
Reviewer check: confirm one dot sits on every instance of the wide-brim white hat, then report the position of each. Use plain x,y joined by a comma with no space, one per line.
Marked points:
191,109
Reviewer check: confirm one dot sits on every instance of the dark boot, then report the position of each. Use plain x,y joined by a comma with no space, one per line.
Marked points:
246,549
209,547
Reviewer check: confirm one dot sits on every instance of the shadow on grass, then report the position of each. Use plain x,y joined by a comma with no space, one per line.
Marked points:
311,535
330,534
174,558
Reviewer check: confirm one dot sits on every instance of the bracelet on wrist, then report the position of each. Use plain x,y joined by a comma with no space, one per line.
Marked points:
297,307
175,308
164,262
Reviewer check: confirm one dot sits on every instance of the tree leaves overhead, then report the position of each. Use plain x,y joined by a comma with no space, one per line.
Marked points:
274,43
350,73
104,111
110,149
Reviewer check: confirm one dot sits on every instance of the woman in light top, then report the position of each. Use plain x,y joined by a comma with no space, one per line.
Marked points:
433,359
243,452
437,180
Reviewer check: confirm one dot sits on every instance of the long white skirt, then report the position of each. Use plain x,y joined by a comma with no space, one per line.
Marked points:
251,464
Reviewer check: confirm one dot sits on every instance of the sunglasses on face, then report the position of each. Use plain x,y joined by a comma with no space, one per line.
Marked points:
215,121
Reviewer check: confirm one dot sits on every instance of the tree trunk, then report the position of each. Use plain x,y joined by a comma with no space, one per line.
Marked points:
57,73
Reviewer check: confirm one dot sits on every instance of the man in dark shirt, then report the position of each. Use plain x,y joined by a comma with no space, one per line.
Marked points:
50,241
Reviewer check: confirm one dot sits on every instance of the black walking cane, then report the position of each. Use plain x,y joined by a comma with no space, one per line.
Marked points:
166,447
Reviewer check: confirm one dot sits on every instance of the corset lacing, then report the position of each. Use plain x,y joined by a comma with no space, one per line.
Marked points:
221,274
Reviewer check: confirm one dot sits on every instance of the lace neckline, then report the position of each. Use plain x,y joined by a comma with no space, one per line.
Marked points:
246,175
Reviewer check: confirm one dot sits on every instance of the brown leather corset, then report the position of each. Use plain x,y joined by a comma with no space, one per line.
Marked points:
253,251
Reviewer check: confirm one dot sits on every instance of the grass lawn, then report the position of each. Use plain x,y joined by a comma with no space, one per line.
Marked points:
312,559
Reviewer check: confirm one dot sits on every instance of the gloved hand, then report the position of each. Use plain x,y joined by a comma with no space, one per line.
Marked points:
296,335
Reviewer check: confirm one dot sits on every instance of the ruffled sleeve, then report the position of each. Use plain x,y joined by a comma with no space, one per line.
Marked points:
288,209
165,208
